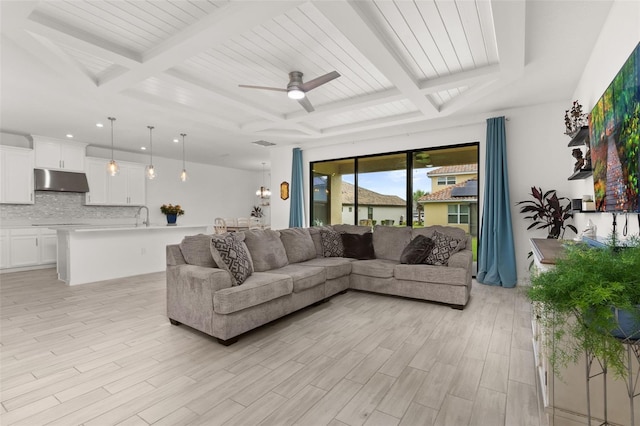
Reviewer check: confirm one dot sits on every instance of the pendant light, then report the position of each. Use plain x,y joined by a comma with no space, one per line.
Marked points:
183,175
150,171
263,192
112,167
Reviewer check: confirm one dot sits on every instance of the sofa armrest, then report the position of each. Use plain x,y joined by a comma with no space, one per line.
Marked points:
461,259
174,255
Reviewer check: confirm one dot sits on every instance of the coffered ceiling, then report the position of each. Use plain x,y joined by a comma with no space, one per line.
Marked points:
177,65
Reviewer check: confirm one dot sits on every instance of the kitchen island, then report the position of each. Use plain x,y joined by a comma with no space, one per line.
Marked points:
88,254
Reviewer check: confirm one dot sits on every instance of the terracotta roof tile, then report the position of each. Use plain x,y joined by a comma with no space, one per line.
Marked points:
368,197
453,170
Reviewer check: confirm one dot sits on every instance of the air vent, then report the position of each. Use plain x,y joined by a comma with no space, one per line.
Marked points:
263,143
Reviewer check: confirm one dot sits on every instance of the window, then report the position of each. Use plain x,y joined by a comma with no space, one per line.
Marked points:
458,213
370,212
350,209
446,180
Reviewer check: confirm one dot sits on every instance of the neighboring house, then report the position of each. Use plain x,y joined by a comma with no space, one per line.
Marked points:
372,206
454,200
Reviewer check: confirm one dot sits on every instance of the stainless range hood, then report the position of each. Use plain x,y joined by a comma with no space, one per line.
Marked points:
59,181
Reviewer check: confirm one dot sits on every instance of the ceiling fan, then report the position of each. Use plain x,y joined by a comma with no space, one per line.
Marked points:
296,89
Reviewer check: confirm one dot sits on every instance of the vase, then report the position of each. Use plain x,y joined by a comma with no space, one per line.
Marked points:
171,219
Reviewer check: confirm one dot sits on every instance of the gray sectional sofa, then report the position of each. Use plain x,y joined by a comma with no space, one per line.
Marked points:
291,272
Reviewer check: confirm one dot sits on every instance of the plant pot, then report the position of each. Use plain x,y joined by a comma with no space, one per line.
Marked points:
627,324
171,219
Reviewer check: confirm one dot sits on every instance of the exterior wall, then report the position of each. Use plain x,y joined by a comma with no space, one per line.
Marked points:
380,213
459,178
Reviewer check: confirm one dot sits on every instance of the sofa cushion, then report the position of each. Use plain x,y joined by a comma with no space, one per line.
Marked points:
358,246
304,277
297,244
378,268
266,249
335,267
431,274
196,250
452,231
417,250
444,247
389,241
231,254
314,231
261,287
351,229
331,243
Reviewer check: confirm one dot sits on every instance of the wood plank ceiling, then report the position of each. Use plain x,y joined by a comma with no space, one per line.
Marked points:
400,61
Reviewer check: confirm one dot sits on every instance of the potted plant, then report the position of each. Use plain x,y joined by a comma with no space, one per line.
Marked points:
257,212
548,211
582,299
172,212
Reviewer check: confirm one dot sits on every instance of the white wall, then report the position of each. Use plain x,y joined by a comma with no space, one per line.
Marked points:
620,35
210,191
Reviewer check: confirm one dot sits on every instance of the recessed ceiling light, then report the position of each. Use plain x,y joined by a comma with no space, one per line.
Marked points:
69,135
176,140
99,125
144,148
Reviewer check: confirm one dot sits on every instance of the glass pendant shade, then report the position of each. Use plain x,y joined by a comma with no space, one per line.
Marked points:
112,167
150,170
183,175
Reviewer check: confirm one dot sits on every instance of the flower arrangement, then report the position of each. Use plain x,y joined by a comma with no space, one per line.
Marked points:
171,209
257,212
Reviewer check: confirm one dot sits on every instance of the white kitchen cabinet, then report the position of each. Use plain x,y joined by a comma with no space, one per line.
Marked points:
59,154
96,171
127,188
5,249
16,175
48,243
27,247
24,247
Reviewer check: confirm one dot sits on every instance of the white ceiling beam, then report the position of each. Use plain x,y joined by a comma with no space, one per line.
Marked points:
214,29
464,78
347,105
181,79
353,23
509,18
62,33
361,126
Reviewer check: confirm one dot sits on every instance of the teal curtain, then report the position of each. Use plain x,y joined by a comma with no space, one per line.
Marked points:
496,252
296,211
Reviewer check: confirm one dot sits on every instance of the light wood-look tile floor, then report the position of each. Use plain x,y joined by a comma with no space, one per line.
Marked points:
105,353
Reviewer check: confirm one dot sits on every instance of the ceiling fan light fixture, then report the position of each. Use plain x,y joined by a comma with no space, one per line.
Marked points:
295,93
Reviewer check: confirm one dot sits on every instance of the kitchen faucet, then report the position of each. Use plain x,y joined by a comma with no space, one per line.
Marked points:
144,222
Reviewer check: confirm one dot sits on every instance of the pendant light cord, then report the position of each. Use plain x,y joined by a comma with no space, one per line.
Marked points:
183,163
112,119
151,143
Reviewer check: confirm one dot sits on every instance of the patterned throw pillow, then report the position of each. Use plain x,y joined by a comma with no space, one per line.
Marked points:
444,247
417,250
232,255
331,243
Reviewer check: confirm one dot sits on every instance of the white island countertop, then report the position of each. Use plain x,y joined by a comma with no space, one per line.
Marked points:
90,253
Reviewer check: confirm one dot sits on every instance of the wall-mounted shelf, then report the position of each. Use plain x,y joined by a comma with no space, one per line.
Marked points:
580,174
581,137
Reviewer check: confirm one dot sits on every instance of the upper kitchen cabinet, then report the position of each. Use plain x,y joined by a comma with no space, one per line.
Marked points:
16,175
127,188
59,154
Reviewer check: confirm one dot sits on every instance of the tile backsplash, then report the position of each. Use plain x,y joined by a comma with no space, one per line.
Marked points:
51,207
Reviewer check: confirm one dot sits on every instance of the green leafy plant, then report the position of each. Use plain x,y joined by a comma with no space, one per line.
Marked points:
171,209
575,300
257,212
548,211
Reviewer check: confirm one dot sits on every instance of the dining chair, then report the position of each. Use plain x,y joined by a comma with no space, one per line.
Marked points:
219,226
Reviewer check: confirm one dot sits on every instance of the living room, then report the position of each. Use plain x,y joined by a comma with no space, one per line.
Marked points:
222,183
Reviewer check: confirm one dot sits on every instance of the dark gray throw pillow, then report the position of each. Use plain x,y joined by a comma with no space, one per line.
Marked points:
232,255
417,250
358,246
331,243
444,247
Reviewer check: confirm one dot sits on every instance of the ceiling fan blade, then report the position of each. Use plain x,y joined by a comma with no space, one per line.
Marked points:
306,104
319,81
277,89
